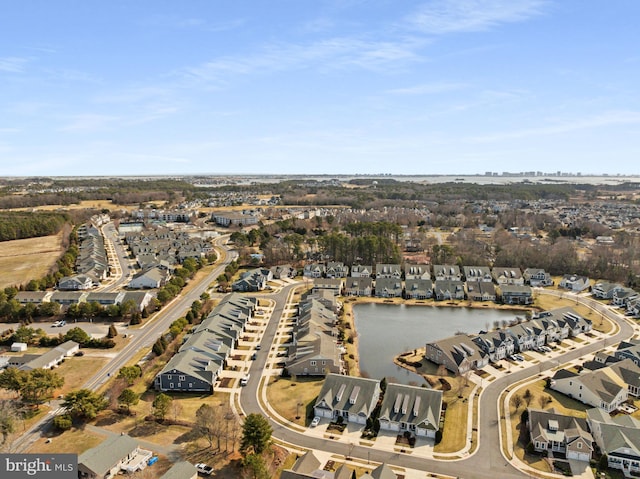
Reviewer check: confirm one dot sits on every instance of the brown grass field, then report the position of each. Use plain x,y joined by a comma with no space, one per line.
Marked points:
294,399
27,259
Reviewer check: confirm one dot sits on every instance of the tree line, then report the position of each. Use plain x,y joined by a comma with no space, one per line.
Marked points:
20,225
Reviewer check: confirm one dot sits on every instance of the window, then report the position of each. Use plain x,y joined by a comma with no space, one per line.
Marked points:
181,378
324,362
312,363
579,445
171,385
169,376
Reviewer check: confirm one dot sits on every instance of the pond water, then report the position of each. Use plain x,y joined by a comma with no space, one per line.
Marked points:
386,330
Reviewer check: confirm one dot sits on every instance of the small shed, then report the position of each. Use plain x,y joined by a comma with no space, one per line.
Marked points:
18,347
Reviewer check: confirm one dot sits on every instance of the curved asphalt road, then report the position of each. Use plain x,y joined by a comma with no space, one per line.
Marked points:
487,462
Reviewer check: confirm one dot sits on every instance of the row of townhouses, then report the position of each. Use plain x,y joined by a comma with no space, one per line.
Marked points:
462,353
141,299
92,263
158,251
411,409
204,353
444,272
314,349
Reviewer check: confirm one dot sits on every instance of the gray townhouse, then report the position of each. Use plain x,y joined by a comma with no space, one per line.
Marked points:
348,397
446,272
358,286
314,350
418,289
388,288
507,276
448,290
203,355
392,271
411,408
477,274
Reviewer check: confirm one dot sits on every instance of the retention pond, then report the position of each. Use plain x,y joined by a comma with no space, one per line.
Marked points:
387,330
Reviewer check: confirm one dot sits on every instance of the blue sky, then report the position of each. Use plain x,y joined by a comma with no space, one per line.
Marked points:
336,86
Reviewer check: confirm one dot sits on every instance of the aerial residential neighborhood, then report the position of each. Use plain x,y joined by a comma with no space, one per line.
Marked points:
193,321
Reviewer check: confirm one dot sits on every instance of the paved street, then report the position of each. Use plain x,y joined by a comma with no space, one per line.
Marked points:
487,460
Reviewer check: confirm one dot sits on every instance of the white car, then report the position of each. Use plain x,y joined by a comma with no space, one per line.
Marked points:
245,380
315,421
204,469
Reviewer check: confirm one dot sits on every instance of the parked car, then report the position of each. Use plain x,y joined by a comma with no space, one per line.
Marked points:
519,357
204,469
315,421
254,356
245,380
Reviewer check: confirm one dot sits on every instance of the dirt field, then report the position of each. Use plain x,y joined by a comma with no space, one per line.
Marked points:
27,259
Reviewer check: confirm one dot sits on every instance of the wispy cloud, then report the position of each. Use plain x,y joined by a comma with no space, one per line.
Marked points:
13,64
328,54
429,88
179,23
605,119
89,122
449,16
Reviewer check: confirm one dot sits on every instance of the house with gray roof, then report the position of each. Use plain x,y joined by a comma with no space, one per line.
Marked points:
314,350
411,408
459,354
554,433
605,290
77,282
516,294
314,270
606,388
481,291
629,349
388,288
478,273
446,272
181,470
361,271
448,289
151,278
308,466
619,438
621,297
574,282
53,357
358,286
512,276
536,277
417,271
336,269
113,455
203,355
418,289
253,280
384,270
348,397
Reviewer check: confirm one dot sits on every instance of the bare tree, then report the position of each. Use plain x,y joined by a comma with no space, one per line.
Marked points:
517,401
